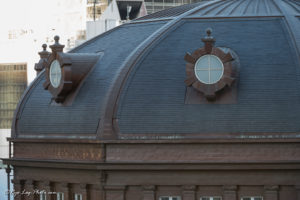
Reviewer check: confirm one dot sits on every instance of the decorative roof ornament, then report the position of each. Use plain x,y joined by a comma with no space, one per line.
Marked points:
56,47
209,69
38,67
209,41
65,71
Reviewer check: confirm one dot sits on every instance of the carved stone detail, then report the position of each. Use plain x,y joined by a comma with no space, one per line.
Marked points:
271,187
149,187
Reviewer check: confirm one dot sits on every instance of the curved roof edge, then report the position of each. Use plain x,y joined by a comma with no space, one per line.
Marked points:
23,98
106,128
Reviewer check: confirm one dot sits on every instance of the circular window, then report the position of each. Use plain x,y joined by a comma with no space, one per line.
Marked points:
209,69
55,74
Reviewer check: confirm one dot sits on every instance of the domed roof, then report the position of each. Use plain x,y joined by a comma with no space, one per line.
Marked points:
137,89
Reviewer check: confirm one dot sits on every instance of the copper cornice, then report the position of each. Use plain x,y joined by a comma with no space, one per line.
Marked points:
155,141
186,166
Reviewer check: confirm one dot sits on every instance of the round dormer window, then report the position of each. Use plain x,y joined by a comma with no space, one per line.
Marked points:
209,69
55,74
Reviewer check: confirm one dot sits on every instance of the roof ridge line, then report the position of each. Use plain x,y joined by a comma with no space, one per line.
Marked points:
105,128
293,25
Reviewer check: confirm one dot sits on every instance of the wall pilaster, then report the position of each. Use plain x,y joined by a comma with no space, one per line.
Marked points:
230,192
149,192
188,192
271,192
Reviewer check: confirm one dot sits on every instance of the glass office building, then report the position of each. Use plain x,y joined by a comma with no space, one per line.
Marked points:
13,81
157,5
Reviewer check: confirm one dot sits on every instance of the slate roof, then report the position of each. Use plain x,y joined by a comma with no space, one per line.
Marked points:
138,85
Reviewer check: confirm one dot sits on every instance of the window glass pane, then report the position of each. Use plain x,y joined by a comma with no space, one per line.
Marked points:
215,76
202,63
203,76
43,195
78,197
215,63
60,196
209,69
246,198
164,198
257,198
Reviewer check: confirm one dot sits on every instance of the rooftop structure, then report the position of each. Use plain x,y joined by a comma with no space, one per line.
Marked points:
197,102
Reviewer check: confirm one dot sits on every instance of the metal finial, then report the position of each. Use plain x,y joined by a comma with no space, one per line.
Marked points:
208,31
42,62
56,39
44,47
56,47
208,40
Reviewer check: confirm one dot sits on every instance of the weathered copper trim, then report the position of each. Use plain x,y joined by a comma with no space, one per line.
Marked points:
209,90
75,67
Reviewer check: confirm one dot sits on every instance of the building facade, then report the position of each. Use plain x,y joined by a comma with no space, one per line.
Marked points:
116,13
197,102
153,6
13,82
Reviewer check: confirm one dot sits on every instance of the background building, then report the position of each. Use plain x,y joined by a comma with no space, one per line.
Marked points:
25,25
115,13
153,6
95,8
13,82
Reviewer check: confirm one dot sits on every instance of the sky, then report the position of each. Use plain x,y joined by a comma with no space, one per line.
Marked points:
38,21
16,14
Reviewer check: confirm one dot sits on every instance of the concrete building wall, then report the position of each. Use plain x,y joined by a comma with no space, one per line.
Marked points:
108,20
4,133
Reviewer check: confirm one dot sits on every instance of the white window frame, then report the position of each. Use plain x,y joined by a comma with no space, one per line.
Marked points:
76,196
210,197
170,197
58,196
43,195
252,197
